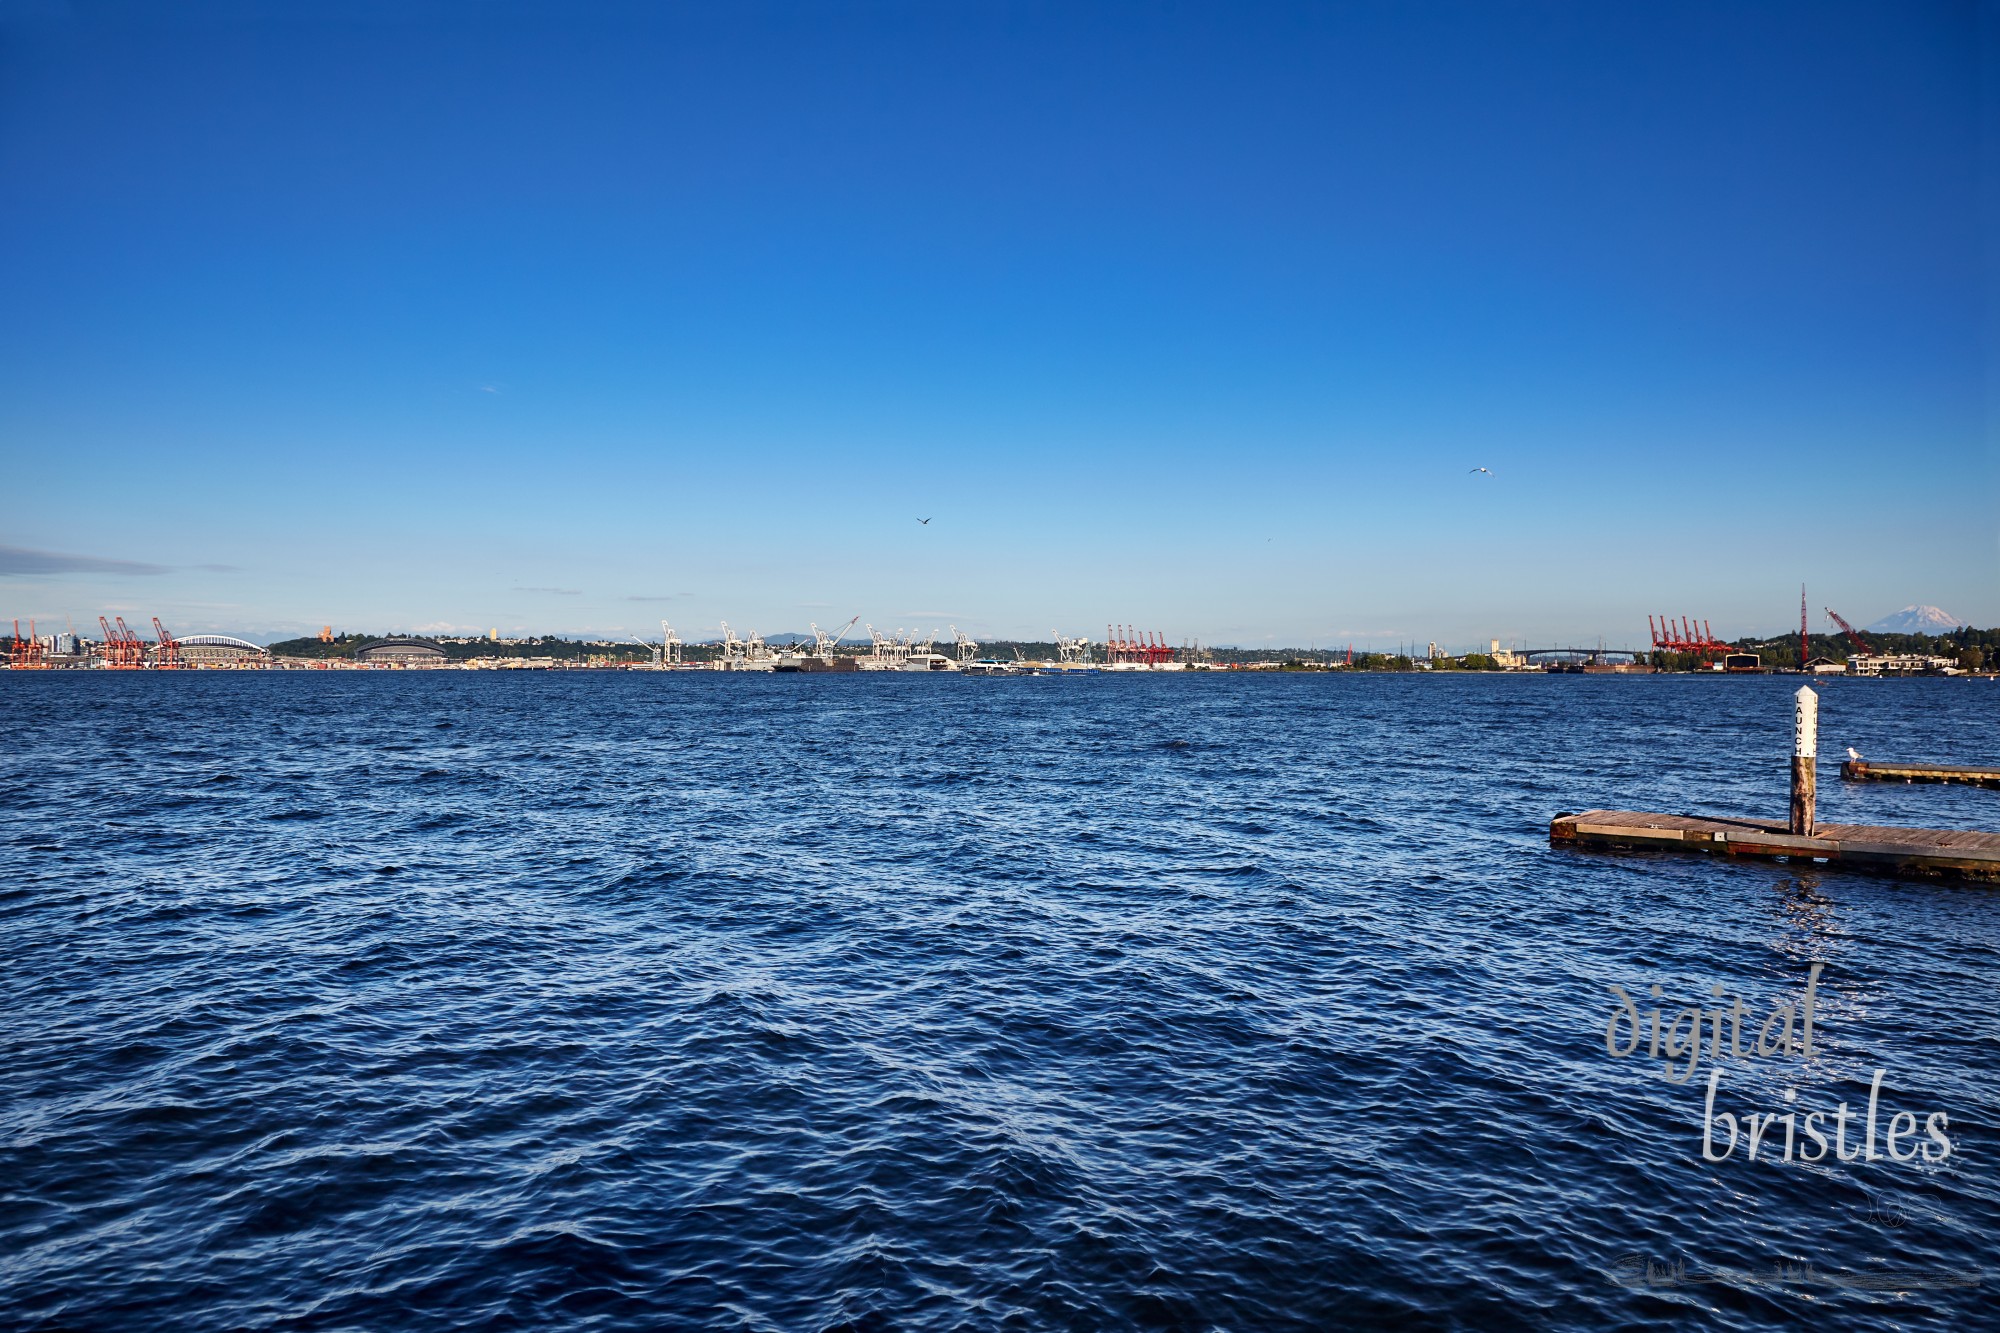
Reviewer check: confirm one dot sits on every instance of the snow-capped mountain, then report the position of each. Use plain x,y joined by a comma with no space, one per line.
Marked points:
1916,620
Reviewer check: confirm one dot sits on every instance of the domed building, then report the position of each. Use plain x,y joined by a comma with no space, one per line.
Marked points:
400,652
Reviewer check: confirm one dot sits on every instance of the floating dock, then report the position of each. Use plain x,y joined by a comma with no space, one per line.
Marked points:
1869,770
1899,851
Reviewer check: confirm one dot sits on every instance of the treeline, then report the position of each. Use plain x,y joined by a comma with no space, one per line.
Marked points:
1973,649
549,645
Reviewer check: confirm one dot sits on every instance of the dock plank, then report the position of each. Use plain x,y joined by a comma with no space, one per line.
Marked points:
1874,770
1954,853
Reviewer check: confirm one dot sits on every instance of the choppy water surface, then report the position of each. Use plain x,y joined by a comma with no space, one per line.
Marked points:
581,1001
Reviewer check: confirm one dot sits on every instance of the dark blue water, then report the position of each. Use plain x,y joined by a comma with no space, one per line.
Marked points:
587,1001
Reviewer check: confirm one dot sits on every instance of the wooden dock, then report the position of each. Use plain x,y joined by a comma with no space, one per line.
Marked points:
1870,770
1899,851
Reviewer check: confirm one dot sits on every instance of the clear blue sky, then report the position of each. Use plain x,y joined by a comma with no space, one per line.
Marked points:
1193,316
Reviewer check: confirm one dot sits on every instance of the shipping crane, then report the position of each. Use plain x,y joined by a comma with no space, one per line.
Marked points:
169,656
824,644
122,649
27,653
967,649
1694,638
1853,635
135,647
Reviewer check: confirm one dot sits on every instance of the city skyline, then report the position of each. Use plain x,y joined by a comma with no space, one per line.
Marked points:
1254,325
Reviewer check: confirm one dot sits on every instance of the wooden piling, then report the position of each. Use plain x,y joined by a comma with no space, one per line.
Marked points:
1805,760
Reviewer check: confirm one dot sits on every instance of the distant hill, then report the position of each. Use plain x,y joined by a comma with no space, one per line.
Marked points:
1917,620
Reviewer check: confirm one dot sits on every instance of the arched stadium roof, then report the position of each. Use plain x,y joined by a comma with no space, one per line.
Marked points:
219,641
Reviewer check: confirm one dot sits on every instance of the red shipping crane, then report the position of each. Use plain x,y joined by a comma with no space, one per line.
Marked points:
169,657
27,653
1696,639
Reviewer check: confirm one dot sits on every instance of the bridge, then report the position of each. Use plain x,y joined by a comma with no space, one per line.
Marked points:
1630,654
1559,658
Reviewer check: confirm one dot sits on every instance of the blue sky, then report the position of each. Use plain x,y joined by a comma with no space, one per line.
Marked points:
1189,316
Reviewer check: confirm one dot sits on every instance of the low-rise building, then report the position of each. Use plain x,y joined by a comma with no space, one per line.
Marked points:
1900,664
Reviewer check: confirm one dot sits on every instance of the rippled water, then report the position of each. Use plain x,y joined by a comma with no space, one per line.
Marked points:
579,1001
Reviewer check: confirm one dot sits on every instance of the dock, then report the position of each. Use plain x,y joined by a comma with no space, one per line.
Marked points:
1869,770
1942,853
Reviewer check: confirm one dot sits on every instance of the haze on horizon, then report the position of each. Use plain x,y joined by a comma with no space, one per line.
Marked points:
1197,317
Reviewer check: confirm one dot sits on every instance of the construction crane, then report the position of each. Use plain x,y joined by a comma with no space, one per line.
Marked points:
1853,635
1805,633
169,655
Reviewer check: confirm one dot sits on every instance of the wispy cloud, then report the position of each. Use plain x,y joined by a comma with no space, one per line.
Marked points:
662,597
22,560
555,592
489,388
219,569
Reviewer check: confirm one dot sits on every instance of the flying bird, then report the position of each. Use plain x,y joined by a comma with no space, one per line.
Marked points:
1487,470
926,521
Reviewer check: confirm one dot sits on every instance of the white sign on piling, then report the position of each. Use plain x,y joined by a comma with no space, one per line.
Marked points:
1805,754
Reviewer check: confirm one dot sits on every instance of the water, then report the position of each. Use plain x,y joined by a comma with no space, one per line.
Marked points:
586,1001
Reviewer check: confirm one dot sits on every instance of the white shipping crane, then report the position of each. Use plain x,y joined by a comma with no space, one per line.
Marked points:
824,644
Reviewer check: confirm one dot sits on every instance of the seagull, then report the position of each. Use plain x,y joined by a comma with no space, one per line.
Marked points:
1487,470
926,521
1853,754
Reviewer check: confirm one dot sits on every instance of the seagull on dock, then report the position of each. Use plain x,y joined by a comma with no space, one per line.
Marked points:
1487,470
1853,754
